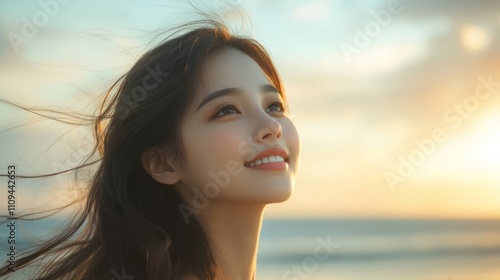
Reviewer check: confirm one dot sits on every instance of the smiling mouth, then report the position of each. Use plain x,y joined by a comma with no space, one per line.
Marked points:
267,160
275,155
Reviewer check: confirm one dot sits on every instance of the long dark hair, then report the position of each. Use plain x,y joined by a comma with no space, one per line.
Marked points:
131,223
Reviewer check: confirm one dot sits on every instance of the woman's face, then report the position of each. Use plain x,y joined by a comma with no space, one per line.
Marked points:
226,132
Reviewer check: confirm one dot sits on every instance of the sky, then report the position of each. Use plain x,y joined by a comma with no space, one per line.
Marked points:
396,102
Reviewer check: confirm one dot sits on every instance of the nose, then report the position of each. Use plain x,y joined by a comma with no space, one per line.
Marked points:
269,130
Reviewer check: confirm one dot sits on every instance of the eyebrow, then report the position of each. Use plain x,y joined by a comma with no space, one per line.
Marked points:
264,88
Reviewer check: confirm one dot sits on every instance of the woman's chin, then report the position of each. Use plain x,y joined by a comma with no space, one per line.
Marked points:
276,194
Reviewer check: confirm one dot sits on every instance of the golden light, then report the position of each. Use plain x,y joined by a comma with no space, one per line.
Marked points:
474,38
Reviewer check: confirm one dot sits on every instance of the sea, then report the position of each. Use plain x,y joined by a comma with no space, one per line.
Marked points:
348,249
385,249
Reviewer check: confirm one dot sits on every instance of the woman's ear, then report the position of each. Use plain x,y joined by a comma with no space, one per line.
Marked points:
155,163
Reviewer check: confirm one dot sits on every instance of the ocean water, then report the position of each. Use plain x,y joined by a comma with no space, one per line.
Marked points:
356,249
379,249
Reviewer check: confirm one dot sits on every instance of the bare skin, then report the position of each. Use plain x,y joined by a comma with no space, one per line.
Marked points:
246,124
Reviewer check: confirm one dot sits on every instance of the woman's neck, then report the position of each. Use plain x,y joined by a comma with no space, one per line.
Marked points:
234,230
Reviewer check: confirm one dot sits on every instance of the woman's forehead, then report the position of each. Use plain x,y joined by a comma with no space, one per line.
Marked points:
232,67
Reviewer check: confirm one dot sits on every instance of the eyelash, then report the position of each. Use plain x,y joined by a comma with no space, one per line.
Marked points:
232,105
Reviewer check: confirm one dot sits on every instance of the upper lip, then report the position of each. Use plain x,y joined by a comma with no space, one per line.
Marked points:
273,151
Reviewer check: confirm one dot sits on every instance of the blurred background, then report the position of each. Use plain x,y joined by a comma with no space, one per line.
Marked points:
397,104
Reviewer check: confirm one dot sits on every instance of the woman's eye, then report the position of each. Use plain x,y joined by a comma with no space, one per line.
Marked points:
231,109
226,110
279,105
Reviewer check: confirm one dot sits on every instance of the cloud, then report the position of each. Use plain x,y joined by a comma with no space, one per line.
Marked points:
313,11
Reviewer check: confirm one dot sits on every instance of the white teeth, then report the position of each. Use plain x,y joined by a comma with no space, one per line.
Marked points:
266,160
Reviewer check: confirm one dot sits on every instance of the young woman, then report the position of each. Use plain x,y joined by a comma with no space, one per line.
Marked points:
196,141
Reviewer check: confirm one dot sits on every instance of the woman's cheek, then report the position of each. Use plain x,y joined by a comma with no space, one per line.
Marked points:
292,138
227,140
224,143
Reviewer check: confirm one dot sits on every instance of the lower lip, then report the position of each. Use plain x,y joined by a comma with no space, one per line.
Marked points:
271,166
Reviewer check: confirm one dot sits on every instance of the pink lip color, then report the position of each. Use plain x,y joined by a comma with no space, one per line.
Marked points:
271,166
274,151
